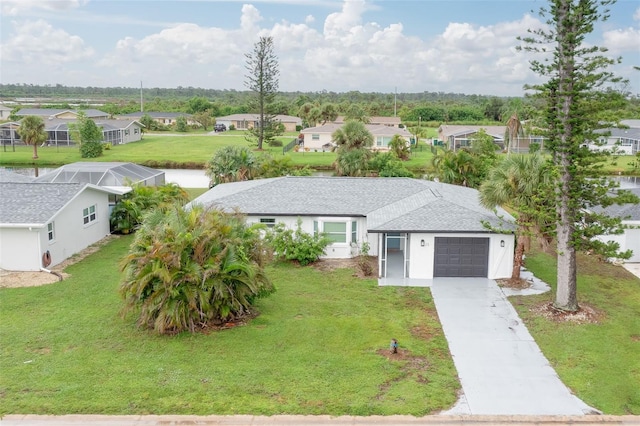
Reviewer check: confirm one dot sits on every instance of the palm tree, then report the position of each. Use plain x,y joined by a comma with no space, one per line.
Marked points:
188,270
518,182
353,141
231,164
31,131
513,131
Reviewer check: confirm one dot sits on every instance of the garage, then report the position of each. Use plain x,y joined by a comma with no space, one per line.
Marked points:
461,257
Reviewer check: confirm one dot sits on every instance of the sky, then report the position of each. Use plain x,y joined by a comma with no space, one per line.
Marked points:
451,46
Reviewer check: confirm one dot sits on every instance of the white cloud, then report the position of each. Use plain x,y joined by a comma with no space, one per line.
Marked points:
17,7
636,15
622,40
37,42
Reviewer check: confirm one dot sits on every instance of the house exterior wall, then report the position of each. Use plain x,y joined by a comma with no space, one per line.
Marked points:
322,139
335,250
629,240
22,249
132,133
422,258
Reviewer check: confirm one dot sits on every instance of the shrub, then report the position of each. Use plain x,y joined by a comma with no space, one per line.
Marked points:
106,146
296,245
275,143
91,149
363,260
232,127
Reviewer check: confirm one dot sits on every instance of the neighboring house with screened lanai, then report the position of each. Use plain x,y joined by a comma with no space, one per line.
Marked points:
42,224
418,229
320,137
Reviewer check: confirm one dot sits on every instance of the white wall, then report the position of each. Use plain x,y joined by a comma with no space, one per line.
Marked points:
422,258
333,251
21,249
630,240
325,138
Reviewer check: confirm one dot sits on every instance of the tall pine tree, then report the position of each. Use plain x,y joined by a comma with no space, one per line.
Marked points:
578,87
262,79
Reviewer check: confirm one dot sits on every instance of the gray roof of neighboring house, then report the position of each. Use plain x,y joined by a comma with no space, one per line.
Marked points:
375,129
60,124
389,204
457,129
374,120
155,114
631,133
47,112
634,124
255,117
36,203
10,176
623,211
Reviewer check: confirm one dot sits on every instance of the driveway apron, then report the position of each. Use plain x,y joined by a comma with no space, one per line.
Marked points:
500,366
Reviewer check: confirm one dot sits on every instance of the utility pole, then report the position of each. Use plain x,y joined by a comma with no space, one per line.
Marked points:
141,100
395,101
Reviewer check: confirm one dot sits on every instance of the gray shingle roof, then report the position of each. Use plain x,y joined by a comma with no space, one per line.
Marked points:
9,176
623,211
34,203
47,112
389,204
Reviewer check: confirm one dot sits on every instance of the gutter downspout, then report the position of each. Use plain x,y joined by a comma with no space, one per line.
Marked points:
57,274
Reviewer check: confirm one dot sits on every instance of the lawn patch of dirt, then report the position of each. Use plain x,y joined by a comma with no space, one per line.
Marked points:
328,265
13,279
519,283
587,314
413,367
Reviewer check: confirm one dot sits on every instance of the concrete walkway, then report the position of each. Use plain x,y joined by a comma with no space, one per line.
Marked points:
500,366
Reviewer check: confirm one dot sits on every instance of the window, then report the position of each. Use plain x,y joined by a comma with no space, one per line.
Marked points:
270,222
135,130
336,232
383,141
89,214
354,232
51,233
315,137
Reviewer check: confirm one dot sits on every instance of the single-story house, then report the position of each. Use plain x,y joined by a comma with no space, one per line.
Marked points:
418,229
459,136
115,132
42,224
630,215
166,118
63,114
249,121
621,141
376,121
320,137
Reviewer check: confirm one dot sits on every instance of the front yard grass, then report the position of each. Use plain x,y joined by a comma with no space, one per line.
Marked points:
319,346
599,362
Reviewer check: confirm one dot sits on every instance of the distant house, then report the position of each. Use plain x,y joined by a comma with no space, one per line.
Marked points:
63,114
5,111
42,221
630,215
418,229
320,137
376,121
460,136
621,141
166,118
113,175
249,121
115,132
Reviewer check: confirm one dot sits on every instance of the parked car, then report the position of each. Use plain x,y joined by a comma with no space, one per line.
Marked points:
220,127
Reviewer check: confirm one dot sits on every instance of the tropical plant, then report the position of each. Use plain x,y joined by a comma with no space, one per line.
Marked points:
461,167
129,211
262,79
297,245
353,141
190,270
88,135
520,182
269,167
31,131
513,131
398,146
231,164
385,164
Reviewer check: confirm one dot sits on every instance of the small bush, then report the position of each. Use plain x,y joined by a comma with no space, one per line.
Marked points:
363,260
106,146
275,143
91,149
296,245
298,128
232,127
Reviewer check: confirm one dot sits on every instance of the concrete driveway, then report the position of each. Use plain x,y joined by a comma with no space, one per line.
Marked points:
500,366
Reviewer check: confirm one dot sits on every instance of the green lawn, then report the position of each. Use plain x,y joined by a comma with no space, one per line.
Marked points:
318,347
599,362
178,151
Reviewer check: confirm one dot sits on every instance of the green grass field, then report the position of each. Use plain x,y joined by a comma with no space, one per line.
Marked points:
600,362
318,346
179,151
